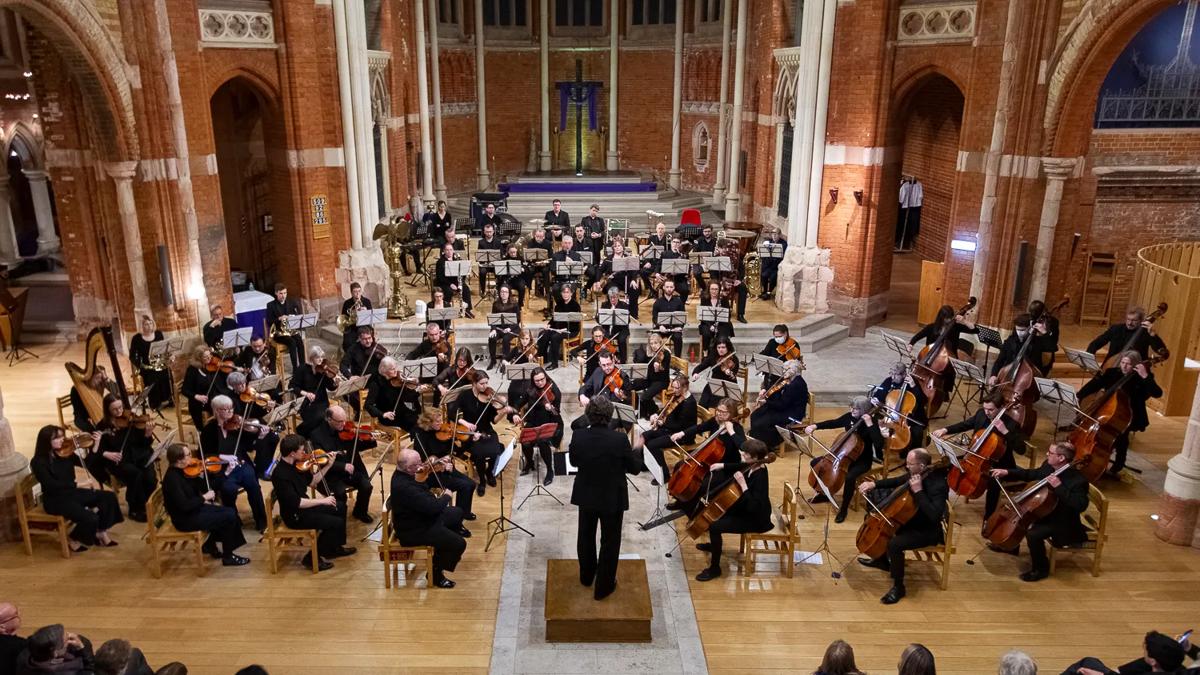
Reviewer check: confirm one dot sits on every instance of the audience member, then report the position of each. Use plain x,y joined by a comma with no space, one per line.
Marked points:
916,660
51,649
118,657
11,644
839,660
1017,662
1163,654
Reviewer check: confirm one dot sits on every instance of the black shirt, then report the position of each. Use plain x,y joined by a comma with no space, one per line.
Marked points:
291,485
213,334
1138,389
182,495
931,500
412,506
277,310
1117,336
139,348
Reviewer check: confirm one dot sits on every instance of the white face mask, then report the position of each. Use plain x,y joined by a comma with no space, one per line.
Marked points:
779,340
1022,332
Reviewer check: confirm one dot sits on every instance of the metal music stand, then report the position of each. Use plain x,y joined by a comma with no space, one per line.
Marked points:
724,389
541,433
988,337
419,369
651,253
712,314
717,264
506,269
1061,395
674,321
831,503
370,317
161,447
634,371
569,270
803,445
502,323
487,257
350,386
769,249
657,474
965,371
613,319
626,264
520,371
1085,360
266,383
283,411
767,365
502,523
458,269
299,322
439,314
230,339
674,266
898,345
948,450
567,317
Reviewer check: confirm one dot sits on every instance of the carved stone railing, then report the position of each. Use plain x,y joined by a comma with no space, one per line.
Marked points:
237,28
941,22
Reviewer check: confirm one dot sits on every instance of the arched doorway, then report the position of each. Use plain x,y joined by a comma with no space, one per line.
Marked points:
926,125
245,131
31,197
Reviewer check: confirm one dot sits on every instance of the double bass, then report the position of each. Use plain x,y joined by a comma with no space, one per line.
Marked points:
933,360
1006,527
1015,380
1106,416
881,524
986,449
832,466
1112,358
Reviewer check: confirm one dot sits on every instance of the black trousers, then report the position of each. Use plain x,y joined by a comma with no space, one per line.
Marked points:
1095,664
762,426
650,390
77,507
769,279
483,454
159,383
600,569
295,346
329,523
742,294
341,482
220,522
464,288
992,496
1036,538
461,485
731,524
1120,452
544,450
448,545
550,346
656,441
907,540
139,481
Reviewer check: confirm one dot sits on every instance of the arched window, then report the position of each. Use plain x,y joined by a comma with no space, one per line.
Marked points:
700,146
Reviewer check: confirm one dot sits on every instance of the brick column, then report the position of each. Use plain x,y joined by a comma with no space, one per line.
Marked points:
9,255
122,174
544,59
1179,507
677,100
1057,173
13,467
44,212
732,198
481,96
611,162
718,197
435,57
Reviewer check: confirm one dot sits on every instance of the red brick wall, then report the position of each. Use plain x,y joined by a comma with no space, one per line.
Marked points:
930,154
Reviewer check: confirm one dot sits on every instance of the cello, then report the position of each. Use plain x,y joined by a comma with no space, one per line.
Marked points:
986,449
900,404
723,498
688,476
1007,525
889,515
1015,380
1106,416
1112,358
831,468
934,359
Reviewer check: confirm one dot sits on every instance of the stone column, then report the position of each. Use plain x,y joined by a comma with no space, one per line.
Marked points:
364,121
732,198
439,188
350,158
485,180
1057,173
1179,506
38,185
544,49
122,174
820,120
611,162
427,193
9,255
718,197
676,174
803,131
13,467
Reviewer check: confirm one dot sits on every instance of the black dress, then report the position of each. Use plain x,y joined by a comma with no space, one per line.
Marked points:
158,381
132,471
485,450
707,398
90,511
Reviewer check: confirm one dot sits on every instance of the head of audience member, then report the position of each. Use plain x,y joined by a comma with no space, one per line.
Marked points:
118,657
916,659
1163,653
1017,662
838,660
10,619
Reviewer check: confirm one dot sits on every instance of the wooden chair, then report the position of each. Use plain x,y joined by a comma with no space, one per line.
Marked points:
1095,521
64,403
395,556
282,538
781,540
164,538
570,342
35,520
942,552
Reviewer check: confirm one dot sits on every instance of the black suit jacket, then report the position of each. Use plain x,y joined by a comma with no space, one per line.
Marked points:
603,457
413,507
1072,501
931,500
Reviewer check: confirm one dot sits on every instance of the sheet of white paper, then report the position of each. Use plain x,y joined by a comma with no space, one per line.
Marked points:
808,557
652,465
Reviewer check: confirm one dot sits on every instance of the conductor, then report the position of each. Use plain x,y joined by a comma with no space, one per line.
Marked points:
603,456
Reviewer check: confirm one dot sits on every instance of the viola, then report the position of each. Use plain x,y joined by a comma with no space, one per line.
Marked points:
1006,527
832,466
986,450
195,467
689,474
1108,416
932,361
881,524
351,431
722,500
614,383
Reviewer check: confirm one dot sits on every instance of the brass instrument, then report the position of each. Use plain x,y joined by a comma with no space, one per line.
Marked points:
753,276
350,319
280,329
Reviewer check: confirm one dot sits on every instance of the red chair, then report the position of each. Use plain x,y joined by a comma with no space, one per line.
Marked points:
690,217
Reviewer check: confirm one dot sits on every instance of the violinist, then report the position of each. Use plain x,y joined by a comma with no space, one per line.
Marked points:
435,343
713,331
768,273
588,353
301,512
314,381
420,519
278,308
722,364
612,300
227,438
499,339
1008,429
900,378
872,439
1042,343
750,513
456,376
257,359
337,435
79,412
434,439
679,414
362,358
217,326
658,374
607,380
629,282
603,457
248,406
1139,386
201,382
451,285
781,346
437,300
155,376
930,492
91,511
1118,335
596,230
956,324
1062,525
478,410
488,242
192,507
788,405
551,339
538,403
350,307
124,451
523,350
390,401
515,282
669,302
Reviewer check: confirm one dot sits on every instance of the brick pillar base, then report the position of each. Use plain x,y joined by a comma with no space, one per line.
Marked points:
804,278
366,266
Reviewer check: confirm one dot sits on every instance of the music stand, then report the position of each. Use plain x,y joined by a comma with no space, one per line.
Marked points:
12,328
831,503
283,411
266,383
161,448
299,322
898,344
947,450
350,386
988,337
487,256
674,266
534,254
673,321
635,371
439,314
724,389
502,323
652,252
231,339
1061,395
768,365
458,269
770,249
965,371
803,445
625,415
613,319
569,270
507,268
718,264
657,474
502,523
370,317
520,371
1085,360
567,317
535,435
711,314
420,369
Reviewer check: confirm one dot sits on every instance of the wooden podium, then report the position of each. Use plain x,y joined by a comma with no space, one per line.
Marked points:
573,615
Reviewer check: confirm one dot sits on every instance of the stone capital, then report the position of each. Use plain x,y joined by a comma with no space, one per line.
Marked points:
35,175
119,171
1058,168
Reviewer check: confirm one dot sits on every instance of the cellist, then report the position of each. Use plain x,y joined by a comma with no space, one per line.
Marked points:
873,444
1139,387
1007,427
1062,525
786,406
930,491
900,378
1118,335
732,437
750,513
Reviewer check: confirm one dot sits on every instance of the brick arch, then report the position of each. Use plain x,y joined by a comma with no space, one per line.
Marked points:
911,82
95,62
1092,43
268,95
30,144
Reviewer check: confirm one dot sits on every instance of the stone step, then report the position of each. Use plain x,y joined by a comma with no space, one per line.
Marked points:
608,179
822,338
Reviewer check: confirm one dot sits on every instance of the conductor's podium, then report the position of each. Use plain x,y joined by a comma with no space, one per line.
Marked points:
573,615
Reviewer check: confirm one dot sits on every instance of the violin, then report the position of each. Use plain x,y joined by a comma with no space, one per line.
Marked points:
329,370
1106,416
1006,527
933,360
226,366
456,430
615,383
430,466
832,466
350,431
668,409
889,515
315,460
986,449
195,467
252,396
789,350
128,420
401,382
722,500
771,391
237,423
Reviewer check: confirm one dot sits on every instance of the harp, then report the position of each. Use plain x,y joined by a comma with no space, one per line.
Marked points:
100,339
